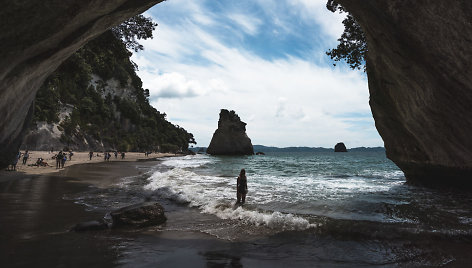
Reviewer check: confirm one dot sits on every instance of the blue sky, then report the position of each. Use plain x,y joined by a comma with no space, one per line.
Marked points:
266,60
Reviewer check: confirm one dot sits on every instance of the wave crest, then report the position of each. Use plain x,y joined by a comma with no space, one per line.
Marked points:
213,195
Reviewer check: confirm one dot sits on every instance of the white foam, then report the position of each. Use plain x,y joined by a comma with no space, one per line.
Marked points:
188,161
214,195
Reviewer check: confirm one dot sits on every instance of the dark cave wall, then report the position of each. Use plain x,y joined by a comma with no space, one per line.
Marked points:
420,83
37,36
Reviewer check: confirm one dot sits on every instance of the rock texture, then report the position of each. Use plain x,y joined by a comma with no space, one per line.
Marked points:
340,148
36,38
139,215
94,225
42,136
419,67
230,138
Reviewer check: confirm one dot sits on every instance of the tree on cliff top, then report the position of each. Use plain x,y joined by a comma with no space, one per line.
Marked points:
352,46
133,29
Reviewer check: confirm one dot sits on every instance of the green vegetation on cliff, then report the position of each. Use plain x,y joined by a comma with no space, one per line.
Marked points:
119,121
352,46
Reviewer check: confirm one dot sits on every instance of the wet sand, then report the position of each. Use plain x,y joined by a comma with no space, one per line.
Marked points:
36,216
37,211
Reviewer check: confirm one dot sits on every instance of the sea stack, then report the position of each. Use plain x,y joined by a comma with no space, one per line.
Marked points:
340,148
230,138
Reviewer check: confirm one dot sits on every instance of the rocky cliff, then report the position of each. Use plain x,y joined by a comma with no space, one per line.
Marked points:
230,138
420,81
58,134
95,101
37,36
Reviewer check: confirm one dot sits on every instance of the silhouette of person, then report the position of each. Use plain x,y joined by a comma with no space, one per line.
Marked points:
241,187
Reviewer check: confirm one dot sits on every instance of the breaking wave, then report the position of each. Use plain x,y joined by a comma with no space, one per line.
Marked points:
215,195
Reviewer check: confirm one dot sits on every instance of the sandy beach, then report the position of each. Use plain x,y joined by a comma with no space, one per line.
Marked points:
39,205
78,158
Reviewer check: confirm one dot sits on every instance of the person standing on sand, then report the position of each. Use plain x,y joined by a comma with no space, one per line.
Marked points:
59,159
90,155
25,157
63,160
241,187
15,161
122,155
116,154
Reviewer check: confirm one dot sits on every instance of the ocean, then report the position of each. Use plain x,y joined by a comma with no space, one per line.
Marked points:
336,209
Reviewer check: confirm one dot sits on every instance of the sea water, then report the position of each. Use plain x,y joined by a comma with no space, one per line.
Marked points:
350,209
311,191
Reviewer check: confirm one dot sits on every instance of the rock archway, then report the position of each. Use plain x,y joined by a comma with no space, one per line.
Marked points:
419,68
36,37
418,65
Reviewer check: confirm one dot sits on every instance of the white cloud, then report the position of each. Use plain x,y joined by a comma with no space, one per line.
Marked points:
315,10
280,110
287,102
249,24
175,85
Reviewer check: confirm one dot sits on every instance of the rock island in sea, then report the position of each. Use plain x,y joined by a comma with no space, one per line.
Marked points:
230,138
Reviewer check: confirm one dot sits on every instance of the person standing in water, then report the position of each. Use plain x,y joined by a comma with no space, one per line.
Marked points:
241,187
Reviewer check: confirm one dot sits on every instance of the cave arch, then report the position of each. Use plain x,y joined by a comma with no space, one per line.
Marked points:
421,110
420,84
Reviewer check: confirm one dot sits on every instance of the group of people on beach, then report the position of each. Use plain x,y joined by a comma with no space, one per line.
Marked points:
61,158
25,156
107,155
12,166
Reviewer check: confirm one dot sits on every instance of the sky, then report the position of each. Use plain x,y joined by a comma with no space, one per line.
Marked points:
264,59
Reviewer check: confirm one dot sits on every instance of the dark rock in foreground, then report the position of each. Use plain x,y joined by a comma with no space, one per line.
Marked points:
340,148
230,138
139,215
420,83
94,225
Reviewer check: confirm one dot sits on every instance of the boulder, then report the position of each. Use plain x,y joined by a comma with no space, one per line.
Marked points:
230,138
94,225
420,82
340,148
139,215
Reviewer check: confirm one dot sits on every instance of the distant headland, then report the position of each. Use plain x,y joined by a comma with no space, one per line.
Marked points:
272,149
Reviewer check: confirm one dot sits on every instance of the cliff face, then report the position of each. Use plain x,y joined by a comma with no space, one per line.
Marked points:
230,138
44,135
420,82
37,36
95,101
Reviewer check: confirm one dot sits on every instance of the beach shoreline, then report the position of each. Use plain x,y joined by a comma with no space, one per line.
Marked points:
38,210
77,159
